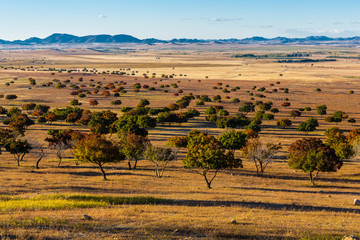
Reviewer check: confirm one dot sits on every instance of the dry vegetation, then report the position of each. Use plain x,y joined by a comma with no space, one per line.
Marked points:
50,202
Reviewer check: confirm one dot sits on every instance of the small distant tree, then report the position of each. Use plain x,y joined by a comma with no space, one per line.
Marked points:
321,110
160,156
173,107
274,110
93,102
295,113
286,104
32,81
247,107
97,150
50,117
261,154
312,156
116,102
143,103
210,110
29,106
309,125
178,141
19,148
283,123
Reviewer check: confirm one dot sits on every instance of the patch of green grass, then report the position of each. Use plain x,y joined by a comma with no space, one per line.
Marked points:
60,201
353,77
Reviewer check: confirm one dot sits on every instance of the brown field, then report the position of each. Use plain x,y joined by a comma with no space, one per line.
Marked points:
281,204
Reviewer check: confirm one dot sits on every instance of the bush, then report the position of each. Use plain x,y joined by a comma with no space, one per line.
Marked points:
309,125
268,116
274,110
226,122
285,104
75,102
321,110
223,112
247,107
283,123
116,102
10,96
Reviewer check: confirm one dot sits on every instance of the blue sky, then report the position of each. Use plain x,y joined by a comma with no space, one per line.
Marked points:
167,19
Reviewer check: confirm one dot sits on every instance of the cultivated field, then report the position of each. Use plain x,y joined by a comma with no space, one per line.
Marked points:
49,202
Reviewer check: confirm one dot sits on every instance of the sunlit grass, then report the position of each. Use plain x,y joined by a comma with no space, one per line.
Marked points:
60,202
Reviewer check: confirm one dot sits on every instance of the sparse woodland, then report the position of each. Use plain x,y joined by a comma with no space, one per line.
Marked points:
168,155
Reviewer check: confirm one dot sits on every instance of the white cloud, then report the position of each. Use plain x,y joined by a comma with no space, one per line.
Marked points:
224,19
266,26
102,16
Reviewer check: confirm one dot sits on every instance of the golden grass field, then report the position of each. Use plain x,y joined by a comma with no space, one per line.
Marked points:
49,203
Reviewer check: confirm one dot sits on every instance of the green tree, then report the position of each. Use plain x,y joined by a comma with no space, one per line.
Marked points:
336,139
308,126
133,146
205,154
97,150
295,113
210,110
312,156
19,148
247,107
321,110
233,140
143,103
283,123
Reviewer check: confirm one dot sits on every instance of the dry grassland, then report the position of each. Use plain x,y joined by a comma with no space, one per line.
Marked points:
48,203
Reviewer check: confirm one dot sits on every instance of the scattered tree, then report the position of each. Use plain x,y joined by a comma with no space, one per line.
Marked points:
261,154
97,150
312,156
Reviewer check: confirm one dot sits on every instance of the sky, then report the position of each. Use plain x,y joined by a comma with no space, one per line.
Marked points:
168,19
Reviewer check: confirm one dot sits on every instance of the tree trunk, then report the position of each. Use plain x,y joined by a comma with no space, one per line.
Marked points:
59,161
37,162
129,164
208,182
156,169
103,172
311,179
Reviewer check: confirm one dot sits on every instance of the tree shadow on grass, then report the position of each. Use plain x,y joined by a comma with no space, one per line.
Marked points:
262,205
298,191
285,177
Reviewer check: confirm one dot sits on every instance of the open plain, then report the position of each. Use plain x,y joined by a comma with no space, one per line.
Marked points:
49,202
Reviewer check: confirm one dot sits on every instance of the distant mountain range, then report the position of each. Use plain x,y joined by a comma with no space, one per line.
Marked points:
64,39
